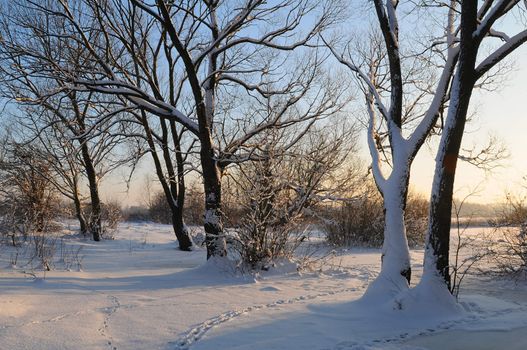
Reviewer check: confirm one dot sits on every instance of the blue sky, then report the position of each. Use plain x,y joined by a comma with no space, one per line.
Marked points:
500,113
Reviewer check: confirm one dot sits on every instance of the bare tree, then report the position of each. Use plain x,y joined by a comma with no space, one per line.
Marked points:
52,110
207,47
58,151
510,251
403,95
396,97
478,24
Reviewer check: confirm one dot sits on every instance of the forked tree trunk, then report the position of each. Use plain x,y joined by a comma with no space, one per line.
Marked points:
95,226
79,214
204,98
174,195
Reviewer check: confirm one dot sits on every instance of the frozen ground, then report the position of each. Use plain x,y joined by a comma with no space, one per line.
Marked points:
139,292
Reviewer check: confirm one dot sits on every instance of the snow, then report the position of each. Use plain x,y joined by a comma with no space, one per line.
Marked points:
139,292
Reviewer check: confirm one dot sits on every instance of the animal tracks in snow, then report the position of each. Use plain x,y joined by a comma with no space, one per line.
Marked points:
475,314
109,311
198,331
48,320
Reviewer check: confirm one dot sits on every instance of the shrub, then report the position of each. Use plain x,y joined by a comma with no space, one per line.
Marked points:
194,205
159,210
356,222
510,253
514,212
416,219
360,221
111,216
28,200
135,214
264,230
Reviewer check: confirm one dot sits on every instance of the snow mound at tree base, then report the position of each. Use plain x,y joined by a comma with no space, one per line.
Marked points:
384,289
430,298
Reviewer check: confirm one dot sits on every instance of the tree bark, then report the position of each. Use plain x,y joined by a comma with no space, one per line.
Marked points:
181,231
174,195
438,240
78,213
213,221
95,226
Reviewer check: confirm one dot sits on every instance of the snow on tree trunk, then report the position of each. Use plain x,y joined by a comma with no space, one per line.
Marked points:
436,260
395,269
213,220
395,252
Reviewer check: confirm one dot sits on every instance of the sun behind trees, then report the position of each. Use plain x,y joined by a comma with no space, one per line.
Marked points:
402,84
258,101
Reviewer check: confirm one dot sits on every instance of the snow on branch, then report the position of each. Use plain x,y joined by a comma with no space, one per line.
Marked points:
502,52
380,180
495,13
363,76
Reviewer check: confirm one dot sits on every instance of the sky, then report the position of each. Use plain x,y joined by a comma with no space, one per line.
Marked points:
501,114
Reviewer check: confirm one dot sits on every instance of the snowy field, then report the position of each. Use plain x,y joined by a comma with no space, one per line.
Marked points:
138,292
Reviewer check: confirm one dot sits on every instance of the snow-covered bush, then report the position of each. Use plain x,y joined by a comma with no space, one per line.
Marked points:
282,190
111,216
43,248
264,232
28,200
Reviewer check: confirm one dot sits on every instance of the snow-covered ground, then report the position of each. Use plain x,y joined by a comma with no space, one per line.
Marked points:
139,292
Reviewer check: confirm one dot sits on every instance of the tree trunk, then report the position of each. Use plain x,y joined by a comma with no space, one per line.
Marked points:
213,221
181,231
175,188
79,214
396,268
395,251
438,239
186,241
173,195
95,226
